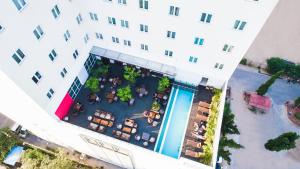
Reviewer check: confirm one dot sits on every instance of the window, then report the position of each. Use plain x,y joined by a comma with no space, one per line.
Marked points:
240,25
63,72
112,20
171,34
115,39
90,62
168,53
1,28
86,38
52,55
174,10
124,24
36,77
206,17
75,54
75,88
227,48
122,2
219,66
199,41
144,4
127,42
67,35
94,17
99,35
38,32
193,59
55,11
18,56
19,4
79,18
50,93
143,28
144,47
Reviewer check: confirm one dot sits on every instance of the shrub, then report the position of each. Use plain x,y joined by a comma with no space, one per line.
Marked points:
124,93
243,61
92,84
276,64
163,84
297,115
263,89
130,74
155,106
7,141
297,102
100,70
285,141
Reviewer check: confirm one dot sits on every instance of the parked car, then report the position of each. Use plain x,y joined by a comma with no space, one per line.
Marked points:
19,130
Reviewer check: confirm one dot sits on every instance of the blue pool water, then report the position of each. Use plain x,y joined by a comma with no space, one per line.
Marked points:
173,132
165,121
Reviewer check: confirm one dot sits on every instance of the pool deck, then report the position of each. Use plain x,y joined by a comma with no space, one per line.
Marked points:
201,95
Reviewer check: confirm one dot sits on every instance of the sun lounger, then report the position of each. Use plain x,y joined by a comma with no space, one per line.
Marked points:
193,143
197,136
200,117
193,154
204,104
203,109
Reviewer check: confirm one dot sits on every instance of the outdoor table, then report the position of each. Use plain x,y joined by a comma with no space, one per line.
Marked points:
145,136
129,122
127,129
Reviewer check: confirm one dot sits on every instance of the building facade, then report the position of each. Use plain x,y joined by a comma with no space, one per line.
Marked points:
45,48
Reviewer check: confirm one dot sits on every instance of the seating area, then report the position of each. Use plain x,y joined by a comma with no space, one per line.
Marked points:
136,120
195,134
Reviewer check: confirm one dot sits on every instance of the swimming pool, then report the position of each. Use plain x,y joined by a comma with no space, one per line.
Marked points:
177,115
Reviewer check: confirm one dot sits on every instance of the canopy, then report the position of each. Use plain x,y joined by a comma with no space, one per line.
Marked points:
261,102
64,106
138,61
13,156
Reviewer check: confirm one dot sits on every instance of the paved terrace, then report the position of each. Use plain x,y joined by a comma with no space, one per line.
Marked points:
120,109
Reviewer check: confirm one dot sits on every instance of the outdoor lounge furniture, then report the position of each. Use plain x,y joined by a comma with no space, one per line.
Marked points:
155,123
145,136
193,143
200,117
129,122
193,154
93,126
152,140
197,136
145,143
204,104
137,137
101,129
121,135
203,109
127,129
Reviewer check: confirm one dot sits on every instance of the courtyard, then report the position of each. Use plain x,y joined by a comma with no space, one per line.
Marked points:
137,120
256,129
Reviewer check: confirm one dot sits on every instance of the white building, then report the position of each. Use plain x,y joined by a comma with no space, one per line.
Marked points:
45,45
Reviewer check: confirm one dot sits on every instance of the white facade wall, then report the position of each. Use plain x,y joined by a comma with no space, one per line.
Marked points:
27,103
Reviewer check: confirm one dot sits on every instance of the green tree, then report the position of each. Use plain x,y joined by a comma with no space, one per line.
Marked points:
228,124
163,84
100,69
124,93
7,141
224,144
275,64
92,84
285,141
263,89
131,74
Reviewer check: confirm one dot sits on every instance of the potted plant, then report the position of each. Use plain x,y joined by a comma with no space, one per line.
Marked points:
124,93
163,84
101,69
92,84
130,74
155,106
